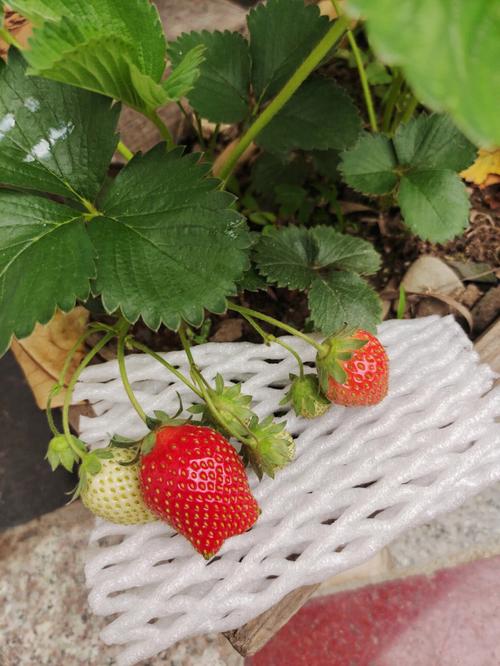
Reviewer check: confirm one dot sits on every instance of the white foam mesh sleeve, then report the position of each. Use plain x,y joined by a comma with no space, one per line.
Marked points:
360,478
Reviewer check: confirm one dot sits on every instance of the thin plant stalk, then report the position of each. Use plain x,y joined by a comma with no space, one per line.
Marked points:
205,394
124,151
141,347
275,322
71,386
163,129
298,77
410,109
125,380
372,116
268,339
392,98
57,388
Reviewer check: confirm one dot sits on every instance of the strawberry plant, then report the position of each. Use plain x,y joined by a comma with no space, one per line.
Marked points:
166,242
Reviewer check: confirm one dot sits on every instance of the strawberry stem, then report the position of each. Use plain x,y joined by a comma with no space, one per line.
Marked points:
72,383
141,347
124,151
205,393
269,338
125,381
59,385
275,322
292,351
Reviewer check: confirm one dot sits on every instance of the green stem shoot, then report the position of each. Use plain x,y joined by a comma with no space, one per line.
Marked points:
199,130
187,349
362,74
275,322
297,78
140,347
71,386
125,381
291,350
57,388
410,109
392,98
124,151
163,129
205,393
268,339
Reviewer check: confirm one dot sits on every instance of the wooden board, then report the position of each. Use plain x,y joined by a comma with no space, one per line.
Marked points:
253,635
488,346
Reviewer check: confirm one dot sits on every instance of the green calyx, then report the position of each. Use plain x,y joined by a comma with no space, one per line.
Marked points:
90,466
271,447
228,405
160,420
306,396
61,452
335,351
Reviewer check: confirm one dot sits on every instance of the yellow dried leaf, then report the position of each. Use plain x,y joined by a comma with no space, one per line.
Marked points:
42,354
19,26
326,8
487,162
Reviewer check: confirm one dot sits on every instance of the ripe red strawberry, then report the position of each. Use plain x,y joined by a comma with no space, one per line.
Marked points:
354,369
194,480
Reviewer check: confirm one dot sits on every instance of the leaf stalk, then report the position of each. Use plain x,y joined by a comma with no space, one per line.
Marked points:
275,322
372,116
298,77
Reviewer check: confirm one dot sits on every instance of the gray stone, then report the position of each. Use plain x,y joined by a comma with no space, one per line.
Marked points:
431,274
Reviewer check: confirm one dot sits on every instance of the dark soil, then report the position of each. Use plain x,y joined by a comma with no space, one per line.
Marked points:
480,244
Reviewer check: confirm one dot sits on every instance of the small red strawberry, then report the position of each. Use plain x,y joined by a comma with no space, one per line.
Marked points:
194,480
354,369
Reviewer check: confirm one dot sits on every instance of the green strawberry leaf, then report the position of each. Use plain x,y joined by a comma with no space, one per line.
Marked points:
282,33
221,92
328,264
95,45
342,299
422,157
293,257
53,138
38,11
344,252
269,171
434,204
185,74
168,245
449,51
290,198
326,163
433,142
251,281
320,115
370,165
286,257
32,230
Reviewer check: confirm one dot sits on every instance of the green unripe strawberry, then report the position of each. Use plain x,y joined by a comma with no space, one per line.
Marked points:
306,397
270,447
113,492
231,404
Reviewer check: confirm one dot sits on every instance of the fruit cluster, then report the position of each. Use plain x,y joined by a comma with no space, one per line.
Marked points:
185,471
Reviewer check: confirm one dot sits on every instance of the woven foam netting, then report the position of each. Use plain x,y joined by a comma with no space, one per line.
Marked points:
360,478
